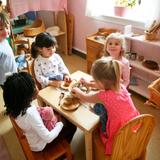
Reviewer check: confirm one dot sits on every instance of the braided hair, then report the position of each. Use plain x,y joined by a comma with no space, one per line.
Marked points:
19,90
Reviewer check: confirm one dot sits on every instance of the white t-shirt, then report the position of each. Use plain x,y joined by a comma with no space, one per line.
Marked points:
35,131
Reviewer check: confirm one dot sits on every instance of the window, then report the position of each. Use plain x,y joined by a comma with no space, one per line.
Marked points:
142,13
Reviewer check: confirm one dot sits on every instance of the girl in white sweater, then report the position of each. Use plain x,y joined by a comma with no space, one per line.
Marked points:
19,90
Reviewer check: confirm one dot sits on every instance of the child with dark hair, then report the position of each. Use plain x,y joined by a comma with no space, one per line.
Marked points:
49,67
7,60
19,90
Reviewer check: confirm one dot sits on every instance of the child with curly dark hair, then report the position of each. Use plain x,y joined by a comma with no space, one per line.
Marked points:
19,91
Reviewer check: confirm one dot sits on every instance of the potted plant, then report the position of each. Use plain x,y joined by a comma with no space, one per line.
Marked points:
121,6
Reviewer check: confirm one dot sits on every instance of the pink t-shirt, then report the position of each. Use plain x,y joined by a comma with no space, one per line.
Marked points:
125,71
120,110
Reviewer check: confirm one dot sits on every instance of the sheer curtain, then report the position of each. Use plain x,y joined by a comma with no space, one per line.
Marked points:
145,12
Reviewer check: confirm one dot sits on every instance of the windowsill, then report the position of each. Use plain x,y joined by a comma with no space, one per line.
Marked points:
121,20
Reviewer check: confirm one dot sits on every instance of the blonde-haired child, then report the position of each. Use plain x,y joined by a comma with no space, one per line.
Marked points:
113,95
115,47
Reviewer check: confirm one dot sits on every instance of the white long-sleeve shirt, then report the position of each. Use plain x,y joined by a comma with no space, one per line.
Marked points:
44,67
7,60
35,131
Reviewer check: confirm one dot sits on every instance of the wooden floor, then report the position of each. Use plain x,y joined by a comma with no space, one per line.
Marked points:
76,63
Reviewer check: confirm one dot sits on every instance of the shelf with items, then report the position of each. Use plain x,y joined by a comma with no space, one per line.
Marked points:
138,64
141,88
148,51
141,38
140,80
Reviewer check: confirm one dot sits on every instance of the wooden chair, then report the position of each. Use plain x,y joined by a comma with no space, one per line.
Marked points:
52,152
20,45
130,142
30,68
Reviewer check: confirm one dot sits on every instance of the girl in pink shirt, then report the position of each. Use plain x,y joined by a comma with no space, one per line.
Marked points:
115,48
113,95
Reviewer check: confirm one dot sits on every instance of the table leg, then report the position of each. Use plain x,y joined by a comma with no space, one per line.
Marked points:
88,145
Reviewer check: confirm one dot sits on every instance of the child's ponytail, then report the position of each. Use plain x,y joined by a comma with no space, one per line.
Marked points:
117,70
34,50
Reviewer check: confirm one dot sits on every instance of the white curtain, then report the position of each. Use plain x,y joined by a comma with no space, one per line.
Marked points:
147,11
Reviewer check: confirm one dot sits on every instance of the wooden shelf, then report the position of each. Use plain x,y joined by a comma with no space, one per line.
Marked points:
141,88
59,34
138,64
142,39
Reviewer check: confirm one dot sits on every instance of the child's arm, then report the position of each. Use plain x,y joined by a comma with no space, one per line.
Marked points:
55,83
61,66
37,124
44,81
126,73
90,98
88,83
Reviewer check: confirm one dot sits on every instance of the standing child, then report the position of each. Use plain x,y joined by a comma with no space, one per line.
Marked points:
7,60
19,90
49,67
115,47
113,95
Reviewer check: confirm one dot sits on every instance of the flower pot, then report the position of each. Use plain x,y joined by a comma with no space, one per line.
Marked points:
120,11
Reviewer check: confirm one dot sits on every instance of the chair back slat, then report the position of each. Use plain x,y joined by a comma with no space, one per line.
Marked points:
132,139
52,151
130,142
22,139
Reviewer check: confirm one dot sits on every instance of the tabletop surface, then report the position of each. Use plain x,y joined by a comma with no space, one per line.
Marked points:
81,117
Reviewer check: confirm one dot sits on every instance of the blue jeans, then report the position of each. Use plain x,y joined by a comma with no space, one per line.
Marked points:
100,110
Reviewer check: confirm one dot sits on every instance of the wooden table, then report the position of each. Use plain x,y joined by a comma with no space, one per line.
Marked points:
82,117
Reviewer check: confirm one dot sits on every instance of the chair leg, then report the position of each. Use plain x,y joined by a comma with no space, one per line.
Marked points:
68,153
143,156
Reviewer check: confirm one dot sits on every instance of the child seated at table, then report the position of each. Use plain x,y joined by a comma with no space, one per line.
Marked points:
19,91
49,67
113,95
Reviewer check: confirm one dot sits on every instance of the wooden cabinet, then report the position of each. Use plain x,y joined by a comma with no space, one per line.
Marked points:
95,44
94,50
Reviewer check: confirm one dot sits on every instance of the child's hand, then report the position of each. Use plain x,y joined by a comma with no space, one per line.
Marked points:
55,83
76,92
85,82
67,78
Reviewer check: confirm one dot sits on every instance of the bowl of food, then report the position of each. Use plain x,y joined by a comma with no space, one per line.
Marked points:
80,86
70,103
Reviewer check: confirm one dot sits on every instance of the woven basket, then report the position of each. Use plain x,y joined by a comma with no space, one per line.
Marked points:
150,36
36,28
154,92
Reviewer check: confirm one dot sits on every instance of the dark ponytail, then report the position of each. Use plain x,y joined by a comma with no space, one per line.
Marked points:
34,50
